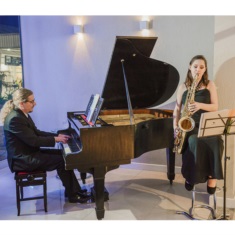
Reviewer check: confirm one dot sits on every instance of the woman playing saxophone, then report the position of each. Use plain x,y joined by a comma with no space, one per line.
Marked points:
201,157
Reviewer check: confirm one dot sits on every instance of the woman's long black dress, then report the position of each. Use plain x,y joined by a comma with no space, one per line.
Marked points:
201,157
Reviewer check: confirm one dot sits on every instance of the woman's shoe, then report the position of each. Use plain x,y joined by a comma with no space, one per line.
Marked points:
189,186
211,190
211,181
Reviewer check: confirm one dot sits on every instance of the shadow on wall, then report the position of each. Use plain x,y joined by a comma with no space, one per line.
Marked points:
224,34
224,80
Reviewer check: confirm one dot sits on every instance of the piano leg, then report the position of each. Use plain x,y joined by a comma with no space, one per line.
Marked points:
170,164
99,176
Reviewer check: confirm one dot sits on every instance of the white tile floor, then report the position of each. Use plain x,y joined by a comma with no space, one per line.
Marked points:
135,195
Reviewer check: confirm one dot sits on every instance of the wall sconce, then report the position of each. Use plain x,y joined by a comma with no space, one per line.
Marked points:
144,24
78,29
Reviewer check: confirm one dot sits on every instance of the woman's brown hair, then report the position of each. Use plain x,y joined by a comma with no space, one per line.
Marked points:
189,78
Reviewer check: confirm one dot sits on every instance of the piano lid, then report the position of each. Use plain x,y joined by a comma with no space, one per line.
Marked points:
150,82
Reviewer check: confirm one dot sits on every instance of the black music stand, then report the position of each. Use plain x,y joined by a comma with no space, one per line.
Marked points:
219,123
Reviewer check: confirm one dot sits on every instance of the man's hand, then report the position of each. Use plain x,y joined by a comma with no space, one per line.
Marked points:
62,138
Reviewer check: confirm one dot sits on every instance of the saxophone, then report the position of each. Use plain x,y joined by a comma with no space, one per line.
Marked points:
186,123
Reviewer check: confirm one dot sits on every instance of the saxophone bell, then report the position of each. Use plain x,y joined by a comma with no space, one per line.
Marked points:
186,124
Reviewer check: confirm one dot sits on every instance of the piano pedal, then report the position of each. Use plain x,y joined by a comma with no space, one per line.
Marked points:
106,194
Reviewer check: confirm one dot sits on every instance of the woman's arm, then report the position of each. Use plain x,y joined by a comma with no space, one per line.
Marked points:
213,106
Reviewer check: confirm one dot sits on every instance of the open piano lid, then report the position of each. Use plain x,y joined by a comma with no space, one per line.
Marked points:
150,82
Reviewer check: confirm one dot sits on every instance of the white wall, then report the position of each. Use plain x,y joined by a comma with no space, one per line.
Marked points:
224,73
63,70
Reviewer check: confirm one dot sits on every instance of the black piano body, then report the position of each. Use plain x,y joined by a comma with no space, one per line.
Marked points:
113,140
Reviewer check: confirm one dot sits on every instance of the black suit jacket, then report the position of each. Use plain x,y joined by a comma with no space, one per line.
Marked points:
23,139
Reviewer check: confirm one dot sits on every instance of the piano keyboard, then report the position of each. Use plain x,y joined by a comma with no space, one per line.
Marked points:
66,148
73,145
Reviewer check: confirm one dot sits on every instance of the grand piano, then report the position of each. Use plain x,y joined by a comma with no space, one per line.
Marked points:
127,126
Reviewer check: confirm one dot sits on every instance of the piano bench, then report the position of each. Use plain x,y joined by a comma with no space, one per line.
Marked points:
26,179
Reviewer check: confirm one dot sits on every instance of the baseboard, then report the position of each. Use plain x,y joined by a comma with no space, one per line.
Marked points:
150,167
230,202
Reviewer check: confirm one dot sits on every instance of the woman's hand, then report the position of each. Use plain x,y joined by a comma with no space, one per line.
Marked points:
193,107
62,138
176,131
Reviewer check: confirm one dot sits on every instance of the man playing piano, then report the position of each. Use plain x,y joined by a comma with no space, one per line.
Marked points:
24,142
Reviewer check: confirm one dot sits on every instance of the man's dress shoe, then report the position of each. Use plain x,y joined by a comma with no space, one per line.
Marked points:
82,193
78,199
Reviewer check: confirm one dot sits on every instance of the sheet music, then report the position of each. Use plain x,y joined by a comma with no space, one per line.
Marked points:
97,111
213,123
89,104
92,107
